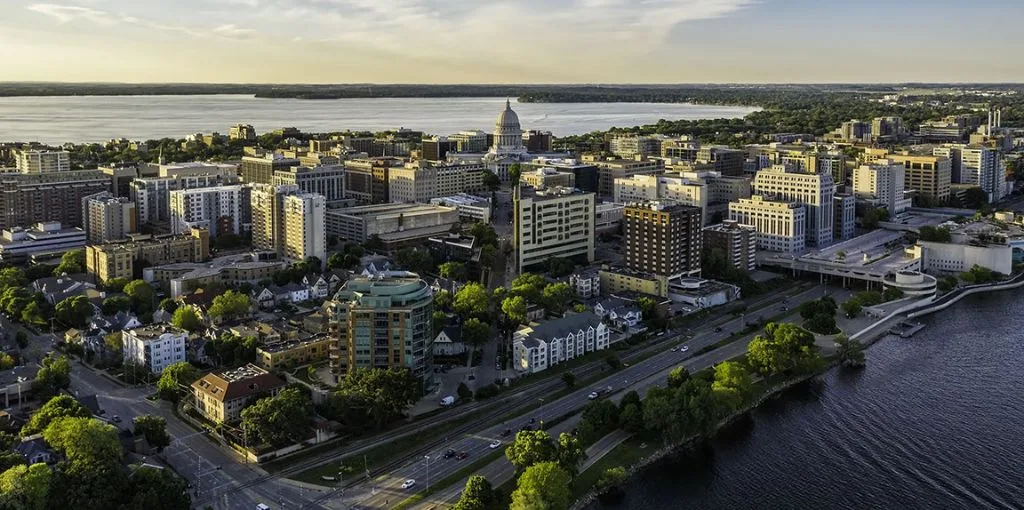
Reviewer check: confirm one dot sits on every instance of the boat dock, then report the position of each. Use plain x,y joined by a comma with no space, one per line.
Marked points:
906,329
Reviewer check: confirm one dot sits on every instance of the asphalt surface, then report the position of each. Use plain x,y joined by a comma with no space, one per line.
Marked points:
386,490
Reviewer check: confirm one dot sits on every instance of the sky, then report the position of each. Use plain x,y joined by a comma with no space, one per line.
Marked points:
511,41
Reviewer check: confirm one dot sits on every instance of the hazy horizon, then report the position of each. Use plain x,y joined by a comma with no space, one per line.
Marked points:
509,42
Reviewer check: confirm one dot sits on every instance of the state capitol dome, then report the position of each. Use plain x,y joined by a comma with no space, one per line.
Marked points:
507,119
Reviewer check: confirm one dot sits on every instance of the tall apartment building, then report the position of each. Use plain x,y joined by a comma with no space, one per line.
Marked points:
814,191
267,205
242,132
553,222
976,166
219,209
154,347
326,180
781,226
608,171
121,177
414,182
845,220
305,233
456,178
929,176
663,239
152,195
107,218
737,242
887,128
437,148
29,198
260,170
117,260
42,162
382,320
883,182
366,179
537,141
682,149
662,188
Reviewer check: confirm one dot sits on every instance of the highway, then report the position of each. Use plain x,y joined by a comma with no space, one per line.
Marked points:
386,490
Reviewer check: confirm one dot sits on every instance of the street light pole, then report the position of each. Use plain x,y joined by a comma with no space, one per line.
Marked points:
427,457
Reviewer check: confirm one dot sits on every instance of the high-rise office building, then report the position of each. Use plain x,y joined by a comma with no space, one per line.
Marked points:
121,177
629,146
437,148
107,218
382,320
42,162
781,226
662,188
219,209
537,141
929,176
738,243
326,180
976,166
883,182
367,179
814,191
414,182
845,221
256,170
470,141
553,222
663,239
724,160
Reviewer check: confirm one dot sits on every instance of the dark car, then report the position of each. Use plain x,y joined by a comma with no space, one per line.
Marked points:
506,432
718,329
449,454
461,455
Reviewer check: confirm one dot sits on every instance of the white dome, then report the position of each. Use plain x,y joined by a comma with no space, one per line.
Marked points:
507,118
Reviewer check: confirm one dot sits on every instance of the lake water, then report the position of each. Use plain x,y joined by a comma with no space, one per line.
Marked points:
934,421
58,120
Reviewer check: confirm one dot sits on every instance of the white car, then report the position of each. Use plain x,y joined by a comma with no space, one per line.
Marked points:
494,444
684,348
593,395
408,483
261,506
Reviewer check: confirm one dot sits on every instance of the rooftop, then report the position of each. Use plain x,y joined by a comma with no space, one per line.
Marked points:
560,327
154,331
248,380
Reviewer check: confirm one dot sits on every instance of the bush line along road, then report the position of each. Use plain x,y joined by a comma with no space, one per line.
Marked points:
384,491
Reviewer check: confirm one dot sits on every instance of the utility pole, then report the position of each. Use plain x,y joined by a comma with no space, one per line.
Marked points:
427,458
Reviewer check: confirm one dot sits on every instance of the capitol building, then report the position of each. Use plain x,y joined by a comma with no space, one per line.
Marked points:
507,148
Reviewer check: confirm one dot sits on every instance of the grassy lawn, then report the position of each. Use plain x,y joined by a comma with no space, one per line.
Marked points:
626,454
447,481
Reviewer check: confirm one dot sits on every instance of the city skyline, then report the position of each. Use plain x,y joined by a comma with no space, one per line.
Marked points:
427,41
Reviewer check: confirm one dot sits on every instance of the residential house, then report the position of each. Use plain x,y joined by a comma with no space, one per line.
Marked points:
321,286
272,296
58,288
221,396
621,313
35,450
538,346
449,341
586,283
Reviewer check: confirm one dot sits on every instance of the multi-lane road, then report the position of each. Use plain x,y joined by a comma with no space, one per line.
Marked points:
387,490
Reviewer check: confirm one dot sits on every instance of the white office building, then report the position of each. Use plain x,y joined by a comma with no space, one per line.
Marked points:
155,347
814,191
42,162
882,182
471,208
219,209
976,166
662,188
414,182
553,222
781,226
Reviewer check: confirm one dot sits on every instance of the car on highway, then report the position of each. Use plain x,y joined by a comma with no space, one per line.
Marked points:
408,483
494,444
116,419
261,506
674,348
684,348
718,329
461,456
506,432
449,454
593,395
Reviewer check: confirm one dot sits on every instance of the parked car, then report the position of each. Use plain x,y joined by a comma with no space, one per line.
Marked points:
408,483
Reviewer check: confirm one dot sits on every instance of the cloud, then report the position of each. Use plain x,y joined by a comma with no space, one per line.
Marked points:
233,32
68,13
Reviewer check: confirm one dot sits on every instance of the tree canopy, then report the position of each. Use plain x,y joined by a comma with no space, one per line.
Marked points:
477,495
472,300
154,429
84,441
186,318
53,376
60,406
74,311
280,419
782,348
142,294
542,486
230,304
174,377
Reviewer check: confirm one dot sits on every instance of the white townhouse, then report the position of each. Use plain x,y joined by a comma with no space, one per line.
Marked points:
549,343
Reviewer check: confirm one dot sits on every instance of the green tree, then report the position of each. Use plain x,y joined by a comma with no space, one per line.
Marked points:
230,304
168,305
822,324
371,398
442,300
514,172
25,487
613,361
557,296
515,309
12,277
21,338
114,304
678,376
186,318
477,495
34,313
141,294
9,459
850,352
475,332
543,486
74,311
491,181
463,391
154,429
570,453
453,270
569,379
84,441
631,419
531,447
279,419
6,361
559,267
418,261
732,384
174,378
116,284
484,234
530,286
70,263
935,234
851,308
472,301
611,478
60,406
53,376
232,350
438,320
157,489
783,347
